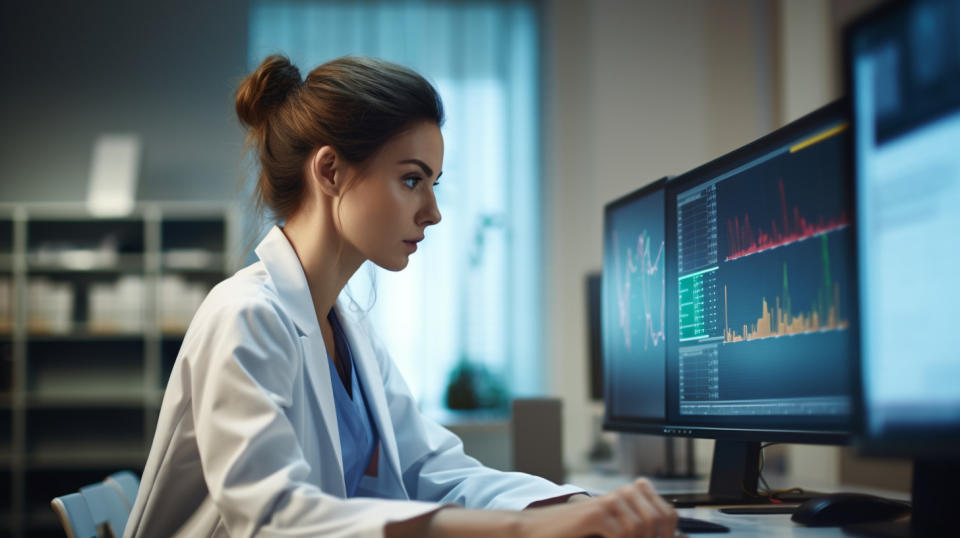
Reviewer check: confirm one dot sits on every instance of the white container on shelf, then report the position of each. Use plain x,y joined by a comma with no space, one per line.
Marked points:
49,306
178,301
116,307
188,258
129,305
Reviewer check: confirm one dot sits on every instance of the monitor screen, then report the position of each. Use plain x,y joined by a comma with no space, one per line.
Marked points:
729,297
765,313
633,302
903,74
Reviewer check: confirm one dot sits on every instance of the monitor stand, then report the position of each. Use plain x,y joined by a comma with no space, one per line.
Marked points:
734,479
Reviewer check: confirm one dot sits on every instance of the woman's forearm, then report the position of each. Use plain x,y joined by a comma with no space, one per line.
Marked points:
458,522
632,510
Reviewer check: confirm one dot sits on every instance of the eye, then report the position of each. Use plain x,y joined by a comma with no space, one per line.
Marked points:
411,181
436,183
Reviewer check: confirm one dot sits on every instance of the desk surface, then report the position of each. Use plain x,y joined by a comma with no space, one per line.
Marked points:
773,525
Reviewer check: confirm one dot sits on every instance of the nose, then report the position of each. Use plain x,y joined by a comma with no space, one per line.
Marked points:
430,214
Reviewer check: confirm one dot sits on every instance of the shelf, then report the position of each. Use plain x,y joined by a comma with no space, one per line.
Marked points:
45,484
79,437
192,261
82,373
84,262
87,458
85,336
85,367
43,519
89,399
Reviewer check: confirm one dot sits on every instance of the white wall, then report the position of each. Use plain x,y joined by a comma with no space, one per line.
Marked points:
634,90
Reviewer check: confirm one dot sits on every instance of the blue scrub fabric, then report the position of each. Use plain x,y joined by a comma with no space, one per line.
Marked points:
358,435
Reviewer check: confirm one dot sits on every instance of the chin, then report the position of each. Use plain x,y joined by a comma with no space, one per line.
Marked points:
393,265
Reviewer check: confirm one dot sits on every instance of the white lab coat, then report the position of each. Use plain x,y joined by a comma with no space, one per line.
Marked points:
247,441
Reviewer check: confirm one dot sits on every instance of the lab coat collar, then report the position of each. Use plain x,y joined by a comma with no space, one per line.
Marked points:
286,272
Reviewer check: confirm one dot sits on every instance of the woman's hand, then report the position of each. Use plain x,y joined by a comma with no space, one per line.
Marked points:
634,510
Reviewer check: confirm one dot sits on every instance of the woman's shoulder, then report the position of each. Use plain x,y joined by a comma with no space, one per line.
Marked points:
247,298
241,323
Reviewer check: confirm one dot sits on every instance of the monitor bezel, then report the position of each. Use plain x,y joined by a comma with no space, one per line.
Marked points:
900,442
679,183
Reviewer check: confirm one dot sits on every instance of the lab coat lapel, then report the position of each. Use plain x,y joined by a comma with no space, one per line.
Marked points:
365,361
286,274
318,373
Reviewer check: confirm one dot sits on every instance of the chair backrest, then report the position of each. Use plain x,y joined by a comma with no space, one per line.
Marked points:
127,484
106,505
100,509
74,516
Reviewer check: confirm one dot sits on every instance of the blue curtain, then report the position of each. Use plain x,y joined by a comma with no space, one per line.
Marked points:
473,290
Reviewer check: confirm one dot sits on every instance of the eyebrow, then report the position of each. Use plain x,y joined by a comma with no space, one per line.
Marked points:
426,169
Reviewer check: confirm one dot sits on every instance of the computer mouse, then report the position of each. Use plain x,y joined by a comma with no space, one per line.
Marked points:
838,509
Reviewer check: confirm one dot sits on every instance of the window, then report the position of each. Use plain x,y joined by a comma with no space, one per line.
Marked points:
473,289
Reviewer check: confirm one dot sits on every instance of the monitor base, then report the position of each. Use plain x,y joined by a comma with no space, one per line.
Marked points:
734,479
690,500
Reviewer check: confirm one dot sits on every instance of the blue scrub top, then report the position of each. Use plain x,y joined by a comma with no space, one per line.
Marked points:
358,435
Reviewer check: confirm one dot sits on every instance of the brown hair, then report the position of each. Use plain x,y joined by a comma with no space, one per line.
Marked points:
352,104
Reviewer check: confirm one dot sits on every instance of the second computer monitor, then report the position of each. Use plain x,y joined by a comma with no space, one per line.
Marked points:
633,318
730,306
763,333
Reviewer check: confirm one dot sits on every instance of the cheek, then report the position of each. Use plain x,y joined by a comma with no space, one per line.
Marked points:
370,218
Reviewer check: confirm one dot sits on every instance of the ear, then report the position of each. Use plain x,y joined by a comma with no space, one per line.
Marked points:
325,169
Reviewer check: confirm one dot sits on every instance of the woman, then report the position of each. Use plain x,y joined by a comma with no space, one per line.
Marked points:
284,416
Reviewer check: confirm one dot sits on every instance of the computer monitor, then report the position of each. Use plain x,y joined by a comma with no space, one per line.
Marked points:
902,68
744,328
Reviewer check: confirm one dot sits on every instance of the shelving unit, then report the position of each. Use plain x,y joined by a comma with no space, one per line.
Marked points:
90,326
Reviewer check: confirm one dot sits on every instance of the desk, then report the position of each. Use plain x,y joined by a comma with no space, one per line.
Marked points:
773,525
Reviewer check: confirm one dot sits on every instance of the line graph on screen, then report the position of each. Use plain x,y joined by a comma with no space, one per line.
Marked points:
640,266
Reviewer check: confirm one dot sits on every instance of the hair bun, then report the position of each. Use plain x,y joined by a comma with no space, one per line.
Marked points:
265,89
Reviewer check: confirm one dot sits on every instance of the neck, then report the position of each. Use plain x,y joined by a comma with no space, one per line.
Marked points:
327,262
